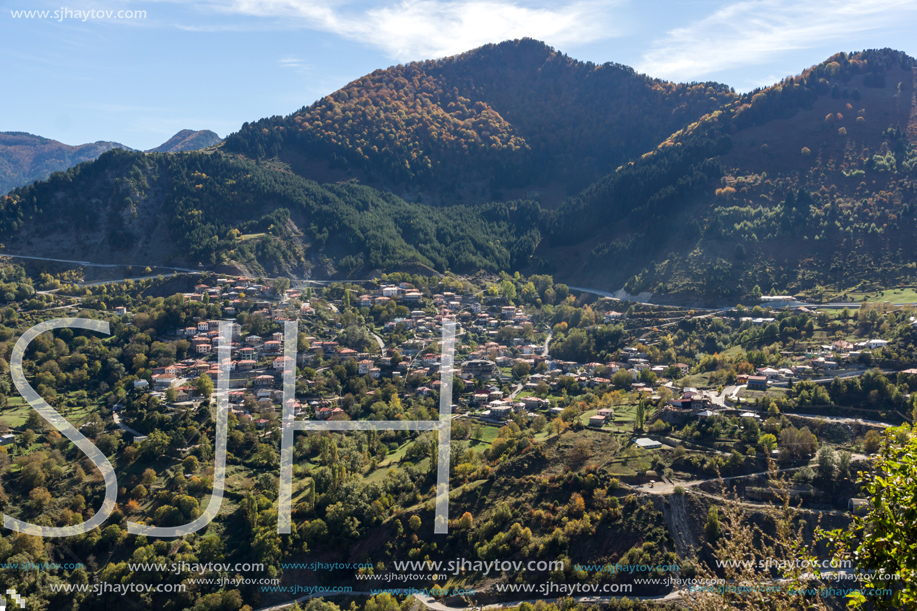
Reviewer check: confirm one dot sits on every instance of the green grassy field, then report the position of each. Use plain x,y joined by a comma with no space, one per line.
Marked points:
529,393
899,295
623,421
396,456
17,410
14,414
78,415
542,435
776,393
698,380
487,435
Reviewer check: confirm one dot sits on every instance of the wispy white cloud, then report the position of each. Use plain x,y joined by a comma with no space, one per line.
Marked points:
407,30
755,32
295,64
432,28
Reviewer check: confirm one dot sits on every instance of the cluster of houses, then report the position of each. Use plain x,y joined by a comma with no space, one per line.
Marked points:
841,352
467,310
485,363
388,292
829,358
234,289
240,290
700,404
257,363
691,399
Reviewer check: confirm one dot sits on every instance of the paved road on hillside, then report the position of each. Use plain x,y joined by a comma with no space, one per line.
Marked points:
108,265
760,506
728,393
430,603
135,278
350,280
594,292
664,488
515,391
124,427
850,374
841,419
669,488
634,299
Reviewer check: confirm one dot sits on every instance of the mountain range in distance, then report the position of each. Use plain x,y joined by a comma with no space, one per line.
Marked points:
25,158
515,157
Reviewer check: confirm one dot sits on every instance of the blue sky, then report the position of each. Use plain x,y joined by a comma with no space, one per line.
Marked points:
215,64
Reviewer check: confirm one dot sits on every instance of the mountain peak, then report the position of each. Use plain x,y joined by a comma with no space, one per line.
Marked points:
503,116
188,140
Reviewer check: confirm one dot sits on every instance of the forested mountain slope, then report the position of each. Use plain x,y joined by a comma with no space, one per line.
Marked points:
25,158
802,185
805,186
211,208
507,115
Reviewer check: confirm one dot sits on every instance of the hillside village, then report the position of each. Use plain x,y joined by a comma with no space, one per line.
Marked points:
518,376
618,403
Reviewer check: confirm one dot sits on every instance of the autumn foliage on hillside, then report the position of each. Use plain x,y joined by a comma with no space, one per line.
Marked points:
653,187
513,113
802,184
838,77
807,183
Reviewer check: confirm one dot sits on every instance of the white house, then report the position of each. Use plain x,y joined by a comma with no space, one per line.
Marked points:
163,381
779,301
280,362
612,316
